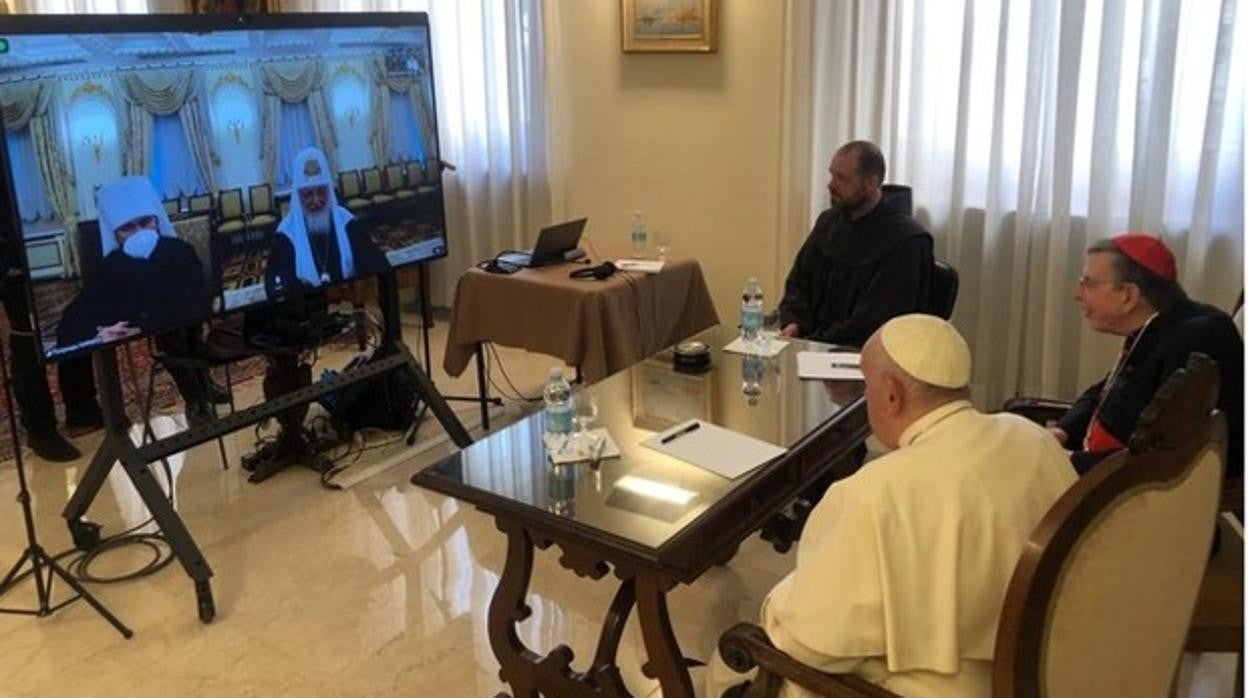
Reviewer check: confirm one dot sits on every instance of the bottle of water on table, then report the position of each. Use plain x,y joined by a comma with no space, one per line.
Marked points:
752,315
558,397
638,236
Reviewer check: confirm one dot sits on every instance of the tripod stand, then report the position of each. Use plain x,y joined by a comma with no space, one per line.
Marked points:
44,568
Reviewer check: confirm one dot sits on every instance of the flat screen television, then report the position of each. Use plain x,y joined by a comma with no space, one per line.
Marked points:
158,169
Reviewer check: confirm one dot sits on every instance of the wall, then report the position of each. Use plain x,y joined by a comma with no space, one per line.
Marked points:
692,140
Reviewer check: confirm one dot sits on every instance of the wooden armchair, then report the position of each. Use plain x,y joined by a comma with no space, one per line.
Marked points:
1046,412
1102,600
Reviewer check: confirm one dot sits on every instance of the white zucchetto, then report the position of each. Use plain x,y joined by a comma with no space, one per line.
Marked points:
929,349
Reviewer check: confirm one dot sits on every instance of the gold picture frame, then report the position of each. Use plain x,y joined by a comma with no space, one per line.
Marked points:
669,26
663,396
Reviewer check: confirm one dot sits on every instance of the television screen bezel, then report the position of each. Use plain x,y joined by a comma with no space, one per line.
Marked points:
15,25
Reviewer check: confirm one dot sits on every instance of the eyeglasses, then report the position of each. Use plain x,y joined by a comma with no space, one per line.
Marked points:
1085,282
130,227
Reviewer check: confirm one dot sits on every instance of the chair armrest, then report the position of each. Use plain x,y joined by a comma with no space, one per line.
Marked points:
1042,411
745,646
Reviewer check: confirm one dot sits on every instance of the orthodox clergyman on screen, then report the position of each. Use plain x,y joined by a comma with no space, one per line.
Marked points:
148,280
318,242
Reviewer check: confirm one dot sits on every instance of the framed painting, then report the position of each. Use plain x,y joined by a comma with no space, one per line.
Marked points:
669,26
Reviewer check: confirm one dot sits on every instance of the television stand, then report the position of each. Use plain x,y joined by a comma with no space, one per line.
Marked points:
135,459
288,450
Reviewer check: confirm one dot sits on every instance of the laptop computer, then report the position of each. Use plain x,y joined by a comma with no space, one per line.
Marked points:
555,243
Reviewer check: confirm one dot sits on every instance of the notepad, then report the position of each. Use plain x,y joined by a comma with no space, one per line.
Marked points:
645,266
569,449
772,347
722,451
829,365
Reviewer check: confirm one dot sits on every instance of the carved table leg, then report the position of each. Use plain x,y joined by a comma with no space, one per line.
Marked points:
666,663
529,673
508,608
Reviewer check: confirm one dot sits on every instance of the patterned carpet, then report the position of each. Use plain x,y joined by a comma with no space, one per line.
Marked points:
135,363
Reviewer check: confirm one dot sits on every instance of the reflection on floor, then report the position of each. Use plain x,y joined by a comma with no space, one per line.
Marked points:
381,589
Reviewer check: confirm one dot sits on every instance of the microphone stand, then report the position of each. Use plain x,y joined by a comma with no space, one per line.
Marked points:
44,568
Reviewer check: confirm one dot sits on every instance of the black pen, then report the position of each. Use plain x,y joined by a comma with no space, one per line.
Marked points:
672,437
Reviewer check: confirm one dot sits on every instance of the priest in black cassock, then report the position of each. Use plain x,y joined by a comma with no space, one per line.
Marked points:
1130,288
866,261
318,242
147,281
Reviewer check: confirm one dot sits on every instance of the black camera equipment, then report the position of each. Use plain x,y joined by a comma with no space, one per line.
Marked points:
43,568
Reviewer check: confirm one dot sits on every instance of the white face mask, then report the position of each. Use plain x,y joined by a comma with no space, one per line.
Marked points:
140,244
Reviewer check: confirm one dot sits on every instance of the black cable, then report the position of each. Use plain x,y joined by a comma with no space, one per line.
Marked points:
502,369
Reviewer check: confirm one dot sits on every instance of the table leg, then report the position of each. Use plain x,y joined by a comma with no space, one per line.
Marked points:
666,662
508,608
483,388
530,674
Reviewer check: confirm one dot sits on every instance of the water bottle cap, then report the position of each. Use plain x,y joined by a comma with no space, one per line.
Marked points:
556,372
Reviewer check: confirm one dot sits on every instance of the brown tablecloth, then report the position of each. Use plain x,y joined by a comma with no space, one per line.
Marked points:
600,326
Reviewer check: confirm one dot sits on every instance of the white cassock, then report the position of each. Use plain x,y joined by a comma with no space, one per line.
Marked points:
902,568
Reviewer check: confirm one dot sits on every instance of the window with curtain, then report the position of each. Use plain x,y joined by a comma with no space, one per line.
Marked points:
491,98
236,132
349,102
93,139
405,143
32,198
172,169
297,133
1029,129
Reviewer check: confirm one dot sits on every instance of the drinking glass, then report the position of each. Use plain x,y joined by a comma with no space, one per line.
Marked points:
585,412
663,242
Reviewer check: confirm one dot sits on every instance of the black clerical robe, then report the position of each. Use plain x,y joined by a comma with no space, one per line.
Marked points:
280,277
853,275
1154,353
163,292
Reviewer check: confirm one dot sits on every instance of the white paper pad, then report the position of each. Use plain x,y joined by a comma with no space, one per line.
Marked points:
722,451
645,266
771,348
829,365
570,449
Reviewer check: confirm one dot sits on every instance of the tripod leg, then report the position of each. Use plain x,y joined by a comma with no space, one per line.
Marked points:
392,341
446,416
12,575
85,595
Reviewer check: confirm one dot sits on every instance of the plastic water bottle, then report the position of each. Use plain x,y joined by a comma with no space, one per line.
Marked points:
638,236
751,313
558,397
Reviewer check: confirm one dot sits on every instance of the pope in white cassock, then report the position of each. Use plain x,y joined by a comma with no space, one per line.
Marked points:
902,567
318,242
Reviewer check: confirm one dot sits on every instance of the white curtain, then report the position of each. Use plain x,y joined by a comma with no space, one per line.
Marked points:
1029,129
78,7
491,97
32,196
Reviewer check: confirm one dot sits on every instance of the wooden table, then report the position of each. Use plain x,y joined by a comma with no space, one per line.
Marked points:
598,326
609,519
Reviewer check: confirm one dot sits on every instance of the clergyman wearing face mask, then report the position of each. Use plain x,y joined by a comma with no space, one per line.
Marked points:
147,279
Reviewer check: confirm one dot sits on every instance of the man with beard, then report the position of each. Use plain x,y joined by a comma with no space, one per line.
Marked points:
866,260
147,281
318,242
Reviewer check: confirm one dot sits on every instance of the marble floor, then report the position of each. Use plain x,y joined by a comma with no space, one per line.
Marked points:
380,589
